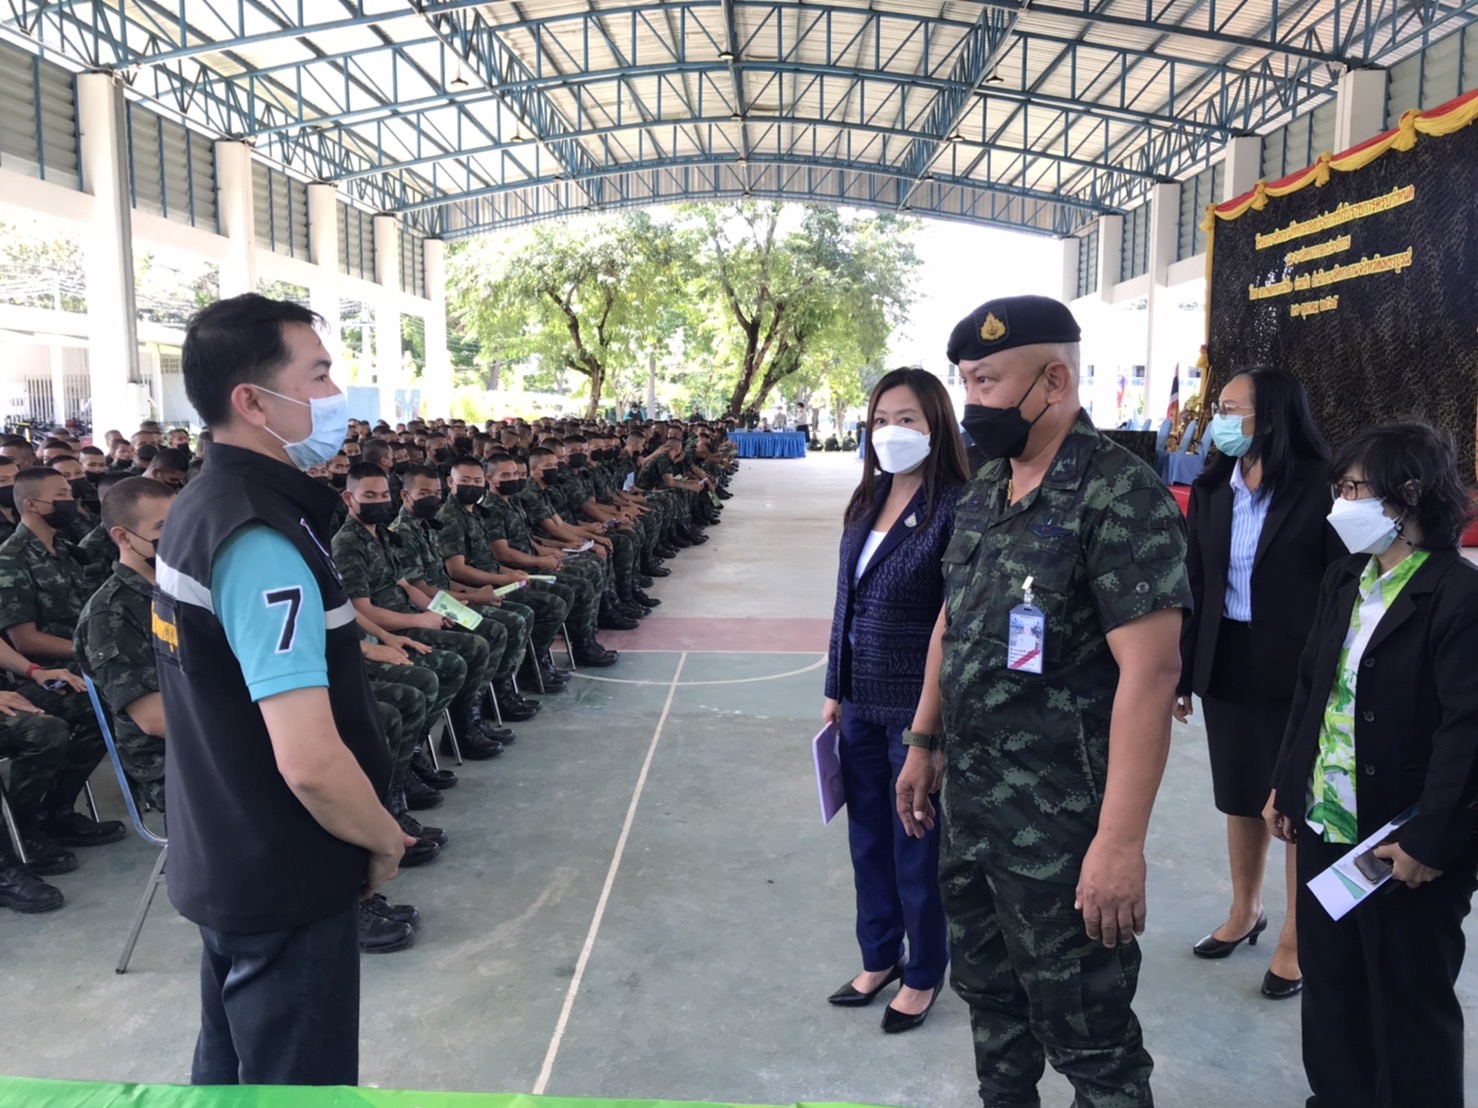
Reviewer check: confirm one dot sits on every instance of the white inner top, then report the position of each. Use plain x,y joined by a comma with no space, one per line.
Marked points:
869,548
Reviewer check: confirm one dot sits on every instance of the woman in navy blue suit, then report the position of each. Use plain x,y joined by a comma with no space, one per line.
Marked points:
889,591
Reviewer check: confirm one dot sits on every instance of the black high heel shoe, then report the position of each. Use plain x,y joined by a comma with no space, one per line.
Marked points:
896,1022
1212,947
1280,988
849,997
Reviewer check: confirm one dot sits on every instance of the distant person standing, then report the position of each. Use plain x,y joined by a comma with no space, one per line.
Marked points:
275,759
778,423
889,590
1259,545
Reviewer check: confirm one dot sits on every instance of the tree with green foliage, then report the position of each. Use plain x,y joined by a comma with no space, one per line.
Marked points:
583,295
831,291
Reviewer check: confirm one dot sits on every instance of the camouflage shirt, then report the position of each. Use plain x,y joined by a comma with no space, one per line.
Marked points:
7,528
419,554
1104,544
368,568
464,533
502,519
37,587
99,555
601,485
536,504
652,474
115,644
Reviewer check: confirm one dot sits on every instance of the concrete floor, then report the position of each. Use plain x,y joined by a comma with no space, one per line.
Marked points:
640,901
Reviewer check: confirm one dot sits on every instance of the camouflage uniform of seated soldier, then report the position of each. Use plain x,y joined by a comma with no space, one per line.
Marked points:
582,487
362,552
469,561
42,591
423,564
114,640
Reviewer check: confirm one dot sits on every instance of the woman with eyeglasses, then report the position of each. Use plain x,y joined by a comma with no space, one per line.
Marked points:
1258,545
1385,722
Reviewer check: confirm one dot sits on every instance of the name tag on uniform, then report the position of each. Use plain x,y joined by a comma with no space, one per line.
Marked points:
1026,639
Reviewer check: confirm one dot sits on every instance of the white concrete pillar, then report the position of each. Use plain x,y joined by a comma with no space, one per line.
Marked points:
1244,166
1361,108
1161,356
1110,252
387,312
436,381
1071,245
237,213
323,249
59,383
113,332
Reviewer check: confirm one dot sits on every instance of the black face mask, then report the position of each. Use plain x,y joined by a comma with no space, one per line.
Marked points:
577,461
82,488
426,508
338,480
153,549
469,494
443,455
322,480
94,478
564,467
63,512
401,467
511,487
377,514
1000,432
7,498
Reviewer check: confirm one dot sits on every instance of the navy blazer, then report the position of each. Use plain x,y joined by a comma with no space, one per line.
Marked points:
891,611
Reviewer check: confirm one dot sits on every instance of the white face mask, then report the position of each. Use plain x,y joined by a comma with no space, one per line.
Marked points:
900,449
1363,525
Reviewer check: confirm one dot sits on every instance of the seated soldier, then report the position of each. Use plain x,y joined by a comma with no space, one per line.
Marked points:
121,456
423,566
83,492
38,746
179,440
588,498
114,640
94,463
168,467
42,591
143,454
9,514
373,581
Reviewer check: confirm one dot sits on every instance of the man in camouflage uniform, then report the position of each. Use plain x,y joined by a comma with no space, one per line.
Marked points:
362,552
469,561
9,514
423,565
1051,755
114,640
42,591
589,497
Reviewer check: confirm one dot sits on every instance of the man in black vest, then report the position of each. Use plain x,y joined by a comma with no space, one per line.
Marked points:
275,757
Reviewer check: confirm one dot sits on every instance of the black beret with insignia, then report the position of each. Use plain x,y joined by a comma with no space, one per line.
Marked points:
1010,322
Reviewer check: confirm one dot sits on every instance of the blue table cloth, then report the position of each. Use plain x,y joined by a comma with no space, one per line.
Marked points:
769,444
1182,469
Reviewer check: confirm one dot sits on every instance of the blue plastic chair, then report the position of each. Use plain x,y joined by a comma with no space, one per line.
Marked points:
1163,435
1187,438
125,785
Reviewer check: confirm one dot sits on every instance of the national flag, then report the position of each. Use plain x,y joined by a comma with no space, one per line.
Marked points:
1173,412
1119,403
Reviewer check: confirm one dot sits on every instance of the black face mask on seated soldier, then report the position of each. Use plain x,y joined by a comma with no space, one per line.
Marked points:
426,508
378,514
470,494
511,487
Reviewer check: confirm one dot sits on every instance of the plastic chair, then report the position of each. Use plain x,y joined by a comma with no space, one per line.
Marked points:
564,629
12,827
125,786
451,736
1163,435
1187,438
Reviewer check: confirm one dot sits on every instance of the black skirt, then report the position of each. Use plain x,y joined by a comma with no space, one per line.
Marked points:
1244,729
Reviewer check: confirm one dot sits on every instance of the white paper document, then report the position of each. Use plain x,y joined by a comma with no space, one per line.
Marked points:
1358,874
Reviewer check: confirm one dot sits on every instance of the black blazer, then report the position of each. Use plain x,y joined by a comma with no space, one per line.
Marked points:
1416,707
1296,546
891,611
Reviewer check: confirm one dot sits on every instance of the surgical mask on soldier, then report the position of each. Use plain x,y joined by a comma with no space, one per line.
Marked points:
330,424
900,449
1001,432
7,498
511,487
426,508
378,514
469,494
62,513
1363,525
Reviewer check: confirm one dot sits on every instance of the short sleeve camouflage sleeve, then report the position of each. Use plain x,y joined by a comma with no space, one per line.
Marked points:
352,557
116,644
17,590
1135,551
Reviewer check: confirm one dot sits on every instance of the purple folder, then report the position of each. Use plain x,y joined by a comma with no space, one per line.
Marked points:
826,747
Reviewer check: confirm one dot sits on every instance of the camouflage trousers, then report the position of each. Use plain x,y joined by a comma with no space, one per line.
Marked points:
550,603
515,621
585,579
1038,988
84,749
37,749
473,650
625,554
404,695
448,670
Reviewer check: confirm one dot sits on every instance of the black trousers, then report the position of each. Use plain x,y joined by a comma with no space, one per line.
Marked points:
282,1007
1382,1025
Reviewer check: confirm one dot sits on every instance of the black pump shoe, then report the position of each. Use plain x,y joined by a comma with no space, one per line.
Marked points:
1212,947
1280,988
896,1022
849,997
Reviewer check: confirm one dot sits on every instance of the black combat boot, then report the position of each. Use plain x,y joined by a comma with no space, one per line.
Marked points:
379,935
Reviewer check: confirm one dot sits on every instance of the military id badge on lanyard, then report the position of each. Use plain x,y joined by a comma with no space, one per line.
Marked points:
1027,635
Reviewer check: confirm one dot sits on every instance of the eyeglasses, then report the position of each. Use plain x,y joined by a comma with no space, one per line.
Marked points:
1348,488
1218,408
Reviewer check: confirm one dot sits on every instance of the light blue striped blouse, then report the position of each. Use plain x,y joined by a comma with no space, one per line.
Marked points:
1249,513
